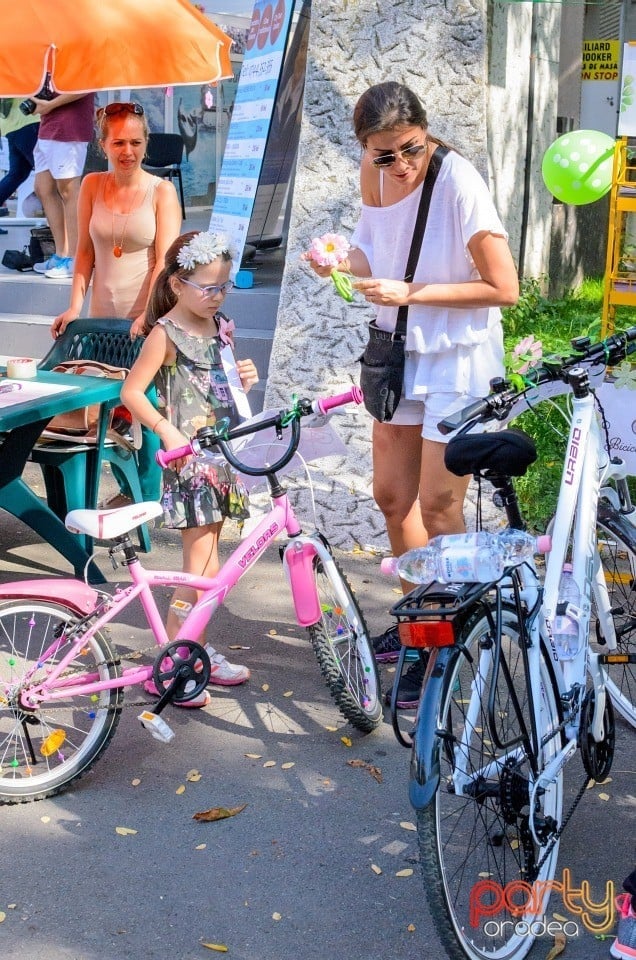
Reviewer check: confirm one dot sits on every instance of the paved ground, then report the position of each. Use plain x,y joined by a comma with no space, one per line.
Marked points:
289,878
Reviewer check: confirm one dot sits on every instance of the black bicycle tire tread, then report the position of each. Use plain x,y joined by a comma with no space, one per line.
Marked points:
346,703
110,727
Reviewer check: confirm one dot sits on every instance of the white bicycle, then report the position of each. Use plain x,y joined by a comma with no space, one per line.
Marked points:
500,714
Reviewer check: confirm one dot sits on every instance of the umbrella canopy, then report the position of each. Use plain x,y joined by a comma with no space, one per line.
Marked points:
114,44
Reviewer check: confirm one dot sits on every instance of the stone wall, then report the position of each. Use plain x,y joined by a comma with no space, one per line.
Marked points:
437,48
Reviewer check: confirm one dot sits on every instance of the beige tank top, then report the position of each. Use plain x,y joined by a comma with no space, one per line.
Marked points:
120,285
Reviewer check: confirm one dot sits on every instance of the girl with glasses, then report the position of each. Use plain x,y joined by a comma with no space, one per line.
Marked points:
182,354
454,340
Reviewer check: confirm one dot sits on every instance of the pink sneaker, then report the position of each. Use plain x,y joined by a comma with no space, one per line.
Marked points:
202,700
222,672
624,947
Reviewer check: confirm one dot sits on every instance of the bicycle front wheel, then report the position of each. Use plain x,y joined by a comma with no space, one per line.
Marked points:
475,836
618,562
343,649
45,748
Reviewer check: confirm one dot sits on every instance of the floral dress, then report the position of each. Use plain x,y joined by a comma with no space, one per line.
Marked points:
194,392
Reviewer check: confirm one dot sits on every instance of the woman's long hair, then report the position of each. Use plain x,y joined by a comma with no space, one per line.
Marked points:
385,107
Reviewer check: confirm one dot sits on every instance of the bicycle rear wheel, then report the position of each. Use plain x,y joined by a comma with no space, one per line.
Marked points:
44,749
475,836
343,649
616,552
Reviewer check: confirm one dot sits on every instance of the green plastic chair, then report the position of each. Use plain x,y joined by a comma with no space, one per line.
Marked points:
68,466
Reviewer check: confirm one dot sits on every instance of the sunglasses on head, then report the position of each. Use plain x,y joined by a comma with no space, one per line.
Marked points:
112,109
407,153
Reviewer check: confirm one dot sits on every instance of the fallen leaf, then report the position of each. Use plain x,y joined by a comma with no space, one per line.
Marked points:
265,687
136,782
219,947
237,646
484,874
253,756
376,869
404,873
11,906
331,729
287,766
45,819
269,763
375,772
603,796
559,916
193,776
3,916
180,789
272,633
200,846
288,693
559,946
411,928
407,825
218,813
125,831
277,916
347,741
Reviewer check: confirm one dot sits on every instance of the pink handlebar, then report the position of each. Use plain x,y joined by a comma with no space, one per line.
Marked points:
164,457
324,404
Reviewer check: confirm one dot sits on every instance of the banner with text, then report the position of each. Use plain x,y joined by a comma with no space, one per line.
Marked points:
251,118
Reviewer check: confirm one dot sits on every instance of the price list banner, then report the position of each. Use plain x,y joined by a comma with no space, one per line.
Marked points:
251,118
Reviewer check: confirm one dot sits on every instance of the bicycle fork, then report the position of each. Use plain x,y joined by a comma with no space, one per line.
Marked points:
299,560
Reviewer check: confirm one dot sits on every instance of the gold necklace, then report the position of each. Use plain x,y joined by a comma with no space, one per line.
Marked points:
118,248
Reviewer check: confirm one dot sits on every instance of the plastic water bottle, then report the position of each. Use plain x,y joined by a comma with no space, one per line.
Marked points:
565,630
478,557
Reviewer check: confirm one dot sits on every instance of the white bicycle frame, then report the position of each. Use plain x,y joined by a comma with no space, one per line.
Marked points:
586,470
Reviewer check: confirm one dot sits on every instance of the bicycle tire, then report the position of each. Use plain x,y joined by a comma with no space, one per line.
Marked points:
342,645
616,540
44,750
467,839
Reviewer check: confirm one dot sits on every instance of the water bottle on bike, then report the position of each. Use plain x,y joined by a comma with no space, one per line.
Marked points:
565,631
479,557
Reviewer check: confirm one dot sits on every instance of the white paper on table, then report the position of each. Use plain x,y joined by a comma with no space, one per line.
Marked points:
234,381
27,390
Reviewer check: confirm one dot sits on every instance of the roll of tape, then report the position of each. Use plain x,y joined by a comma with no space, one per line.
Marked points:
21,368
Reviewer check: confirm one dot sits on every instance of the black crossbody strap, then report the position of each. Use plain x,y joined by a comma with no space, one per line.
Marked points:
434,167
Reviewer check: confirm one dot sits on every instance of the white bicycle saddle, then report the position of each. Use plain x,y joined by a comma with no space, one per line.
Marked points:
108,524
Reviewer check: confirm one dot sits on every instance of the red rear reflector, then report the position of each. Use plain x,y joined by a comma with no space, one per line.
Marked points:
426,633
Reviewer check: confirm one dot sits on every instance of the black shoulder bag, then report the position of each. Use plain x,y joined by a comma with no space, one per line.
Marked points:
382,363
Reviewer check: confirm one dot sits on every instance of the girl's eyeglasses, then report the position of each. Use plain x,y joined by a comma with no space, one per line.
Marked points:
407,153
211,291
112,109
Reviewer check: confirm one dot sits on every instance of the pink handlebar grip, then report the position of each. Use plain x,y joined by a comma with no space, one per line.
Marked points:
324,404
164,457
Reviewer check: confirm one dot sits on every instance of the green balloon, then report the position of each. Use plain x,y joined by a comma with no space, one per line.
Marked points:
577,168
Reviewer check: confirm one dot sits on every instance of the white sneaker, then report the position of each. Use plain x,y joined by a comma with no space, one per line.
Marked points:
224,673
47,264
62,270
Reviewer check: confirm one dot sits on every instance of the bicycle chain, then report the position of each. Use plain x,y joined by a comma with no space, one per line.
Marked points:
566,820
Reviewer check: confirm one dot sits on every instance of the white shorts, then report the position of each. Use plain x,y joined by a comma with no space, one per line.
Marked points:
64,161
429,411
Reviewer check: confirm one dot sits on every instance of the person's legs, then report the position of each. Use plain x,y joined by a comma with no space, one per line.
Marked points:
20,144
397,454
47,193
68,190
441,493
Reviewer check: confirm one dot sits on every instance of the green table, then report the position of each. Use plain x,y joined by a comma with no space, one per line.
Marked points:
22,422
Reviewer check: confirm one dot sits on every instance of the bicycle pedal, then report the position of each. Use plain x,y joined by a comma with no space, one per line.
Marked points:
157,727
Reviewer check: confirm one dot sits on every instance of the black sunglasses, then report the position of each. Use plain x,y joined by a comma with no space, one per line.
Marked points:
112,109
408,153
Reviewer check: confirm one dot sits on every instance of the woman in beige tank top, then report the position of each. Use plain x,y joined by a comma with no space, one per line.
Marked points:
127,220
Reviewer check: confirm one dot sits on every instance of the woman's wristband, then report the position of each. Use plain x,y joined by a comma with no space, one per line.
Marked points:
154,428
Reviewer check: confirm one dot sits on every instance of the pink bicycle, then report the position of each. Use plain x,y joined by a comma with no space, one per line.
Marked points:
62,682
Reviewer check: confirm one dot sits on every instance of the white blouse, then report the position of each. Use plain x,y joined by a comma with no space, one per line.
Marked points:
455,350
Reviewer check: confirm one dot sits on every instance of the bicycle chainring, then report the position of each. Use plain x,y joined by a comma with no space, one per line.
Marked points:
597,757
177,665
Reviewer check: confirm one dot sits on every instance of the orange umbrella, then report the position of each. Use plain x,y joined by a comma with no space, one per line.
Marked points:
113,44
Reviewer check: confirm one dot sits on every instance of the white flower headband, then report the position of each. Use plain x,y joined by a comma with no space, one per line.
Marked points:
204,248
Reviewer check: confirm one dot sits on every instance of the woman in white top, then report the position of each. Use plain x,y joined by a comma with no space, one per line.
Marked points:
454,344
